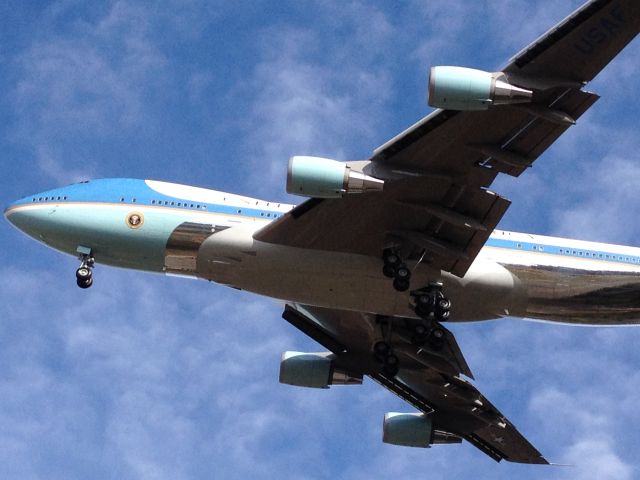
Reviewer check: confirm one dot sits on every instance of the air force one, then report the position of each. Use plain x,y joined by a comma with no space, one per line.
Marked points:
386,250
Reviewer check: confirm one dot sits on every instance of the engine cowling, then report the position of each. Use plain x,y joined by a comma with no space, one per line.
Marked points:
459,88
407,429
314,370
325,178
414,430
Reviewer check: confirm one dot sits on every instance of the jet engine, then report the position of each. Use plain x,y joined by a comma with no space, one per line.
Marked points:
325,178
459,88
414,430
407,429
314,370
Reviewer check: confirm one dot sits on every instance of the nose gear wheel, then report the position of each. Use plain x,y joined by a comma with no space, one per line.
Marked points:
84,274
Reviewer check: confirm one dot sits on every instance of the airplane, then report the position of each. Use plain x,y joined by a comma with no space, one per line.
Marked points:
385,251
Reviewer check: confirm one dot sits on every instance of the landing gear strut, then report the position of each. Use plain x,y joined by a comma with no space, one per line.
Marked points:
84,274
396,269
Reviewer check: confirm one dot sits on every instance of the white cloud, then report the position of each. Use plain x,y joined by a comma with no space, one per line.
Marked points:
312,102
89,82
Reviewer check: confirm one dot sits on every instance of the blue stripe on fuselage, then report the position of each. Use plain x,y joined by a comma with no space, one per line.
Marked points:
134,191
137,192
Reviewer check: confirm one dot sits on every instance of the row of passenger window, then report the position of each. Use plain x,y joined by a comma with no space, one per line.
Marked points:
47,199
582,253
601,256
196,206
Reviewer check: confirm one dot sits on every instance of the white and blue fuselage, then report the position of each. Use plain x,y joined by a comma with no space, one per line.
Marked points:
164,227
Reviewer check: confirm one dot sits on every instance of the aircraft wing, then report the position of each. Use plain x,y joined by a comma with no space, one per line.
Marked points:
436,200
429,380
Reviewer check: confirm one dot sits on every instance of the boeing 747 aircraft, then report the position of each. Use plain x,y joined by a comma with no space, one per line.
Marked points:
388,249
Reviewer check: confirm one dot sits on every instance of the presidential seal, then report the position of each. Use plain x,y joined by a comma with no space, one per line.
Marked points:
135,220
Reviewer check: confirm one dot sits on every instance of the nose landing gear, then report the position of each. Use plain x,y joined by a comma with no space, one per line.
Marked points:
84,274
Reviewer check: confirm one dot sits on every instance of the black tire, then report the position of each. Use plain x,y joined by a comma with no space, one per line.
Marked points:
391,360
419,329
388,271
402,272
401,284
391,258
84,283
437,333
444,315
444,304
381,349
83,273
425,302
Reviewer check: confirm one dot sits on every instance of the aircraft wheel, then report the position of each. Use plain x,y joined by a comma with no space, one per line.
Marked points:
420,329
444,304
436,338
84,283
389,271
401,284
83,273
402,272
391,360
381,349
389,257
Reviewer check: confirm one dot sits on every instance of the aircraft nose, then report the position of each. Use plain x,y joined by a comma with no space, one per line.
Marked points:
30,216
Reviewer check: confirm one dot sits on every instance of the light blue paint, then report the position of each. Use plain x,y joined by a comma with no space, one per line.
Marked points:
316,177
459,88
128,247
104,230
132,191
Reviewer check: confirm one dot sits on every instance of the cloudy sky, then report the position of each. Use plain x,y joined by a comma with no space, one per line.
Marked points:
182,382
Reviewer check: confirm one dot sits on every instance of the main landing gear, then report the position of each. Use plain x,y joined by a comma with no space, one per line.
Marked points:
84,274
395,268
432,306
431,303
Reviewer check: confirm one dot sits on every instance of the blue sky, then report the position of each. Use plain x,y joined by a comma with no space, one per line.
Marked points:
147,377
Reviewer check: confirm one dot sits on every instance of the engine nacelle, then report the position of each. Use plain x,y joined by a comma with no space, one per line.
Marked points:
414,430
459,88
314,370
407,429
325,178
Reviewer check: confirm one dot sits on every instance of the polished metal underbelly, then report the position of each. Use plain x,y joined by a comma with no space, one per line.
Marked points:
577,296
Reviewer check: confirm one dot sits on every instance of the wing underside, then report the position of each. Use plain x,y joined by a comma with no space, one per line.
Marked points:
430,381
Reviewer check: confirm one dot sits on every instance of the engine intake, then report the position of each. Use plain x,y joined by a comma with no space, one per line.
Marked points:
325,178
314,370
459,88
